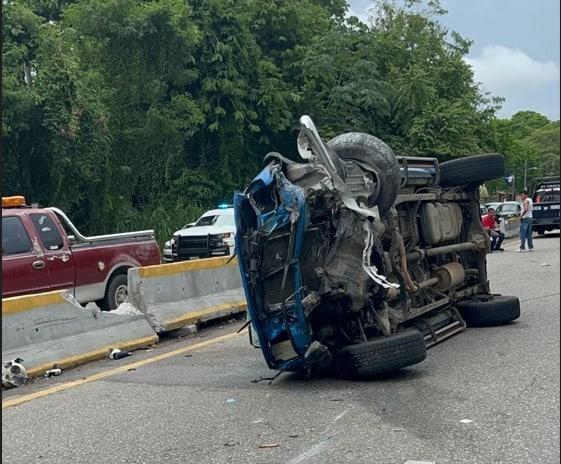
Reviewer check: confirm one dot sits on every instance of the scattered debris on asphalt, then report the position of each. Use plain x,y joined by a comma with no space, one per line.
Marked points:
116,353
53,372
230,401
466,421
269,445
13,373
545,264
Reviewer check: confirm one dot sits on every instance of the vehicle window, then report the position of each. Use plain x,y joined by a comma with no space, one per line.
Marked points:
48,231
225,220
14,236
206,221
553,197
217,220
508,208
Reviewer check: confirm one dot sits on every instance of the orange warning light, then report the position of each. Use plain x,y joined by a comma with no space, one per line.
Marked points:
13,202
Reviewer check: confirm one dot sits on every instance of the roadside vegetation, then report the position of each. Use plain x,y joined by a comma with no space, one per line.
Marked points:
142,114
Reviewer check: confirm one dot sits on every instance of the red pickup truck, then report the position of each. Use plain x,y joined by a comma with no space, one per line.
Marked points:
43,251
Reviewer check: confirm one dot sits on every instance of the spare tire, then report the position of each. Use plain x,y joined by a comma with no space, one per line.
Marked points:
370,151
472,170
384,354
495,310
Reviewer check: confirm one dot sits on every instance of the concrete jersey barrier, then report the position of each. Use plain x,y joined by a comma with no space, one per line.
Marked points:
53,329
510,227
178,294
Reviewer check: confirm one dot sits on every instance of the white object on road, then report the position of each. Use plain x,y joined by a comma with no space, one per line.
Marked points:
13,373
466,421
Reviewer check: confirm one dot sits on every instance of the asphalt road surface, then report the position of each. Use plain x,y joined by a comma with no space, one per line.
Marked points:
484,396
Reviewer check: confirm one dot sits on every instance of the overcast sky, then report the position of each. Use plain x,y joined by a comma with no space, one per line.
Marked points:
516,49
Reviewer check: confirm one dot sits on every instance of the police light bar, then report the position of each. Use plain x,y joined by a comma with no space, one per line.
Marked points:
224,206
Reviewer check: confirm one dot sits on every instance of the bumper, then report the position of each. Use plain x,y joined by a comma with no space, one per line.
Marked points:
202,247
202,253
546,222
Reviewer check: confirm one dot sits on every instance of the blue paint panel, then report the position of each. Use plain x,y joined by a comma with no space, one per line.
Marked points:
269,327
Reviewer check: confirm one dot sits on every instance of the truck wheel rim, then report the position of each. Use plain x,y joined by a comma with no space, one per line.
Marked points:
120,294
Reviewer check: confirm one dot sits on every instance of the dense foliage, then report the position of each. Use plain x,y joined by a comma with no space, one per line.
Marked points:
136,114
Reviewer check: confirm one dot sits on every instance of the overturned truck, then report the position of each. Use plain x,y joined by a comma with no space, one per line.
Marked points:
354,261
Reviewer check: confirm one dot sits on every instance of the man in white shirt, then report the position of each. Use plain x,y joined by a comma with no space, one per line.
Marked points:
526,219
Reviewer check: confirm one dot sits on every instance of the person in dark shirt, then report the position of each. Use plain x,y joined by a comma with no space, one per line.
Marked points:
489,223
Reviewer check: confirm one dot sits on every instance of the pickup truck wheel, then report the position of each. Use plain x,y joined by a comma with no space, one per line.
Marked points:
471,170
370,151
116,293
495,310
540,230
381,355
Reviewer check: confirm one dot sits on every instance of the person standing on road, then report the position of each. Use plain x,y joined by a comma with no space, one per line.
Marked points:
489,223
526,219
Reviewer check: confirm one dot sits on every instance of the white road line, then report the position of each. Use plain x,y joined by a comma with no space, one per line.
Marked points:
317,448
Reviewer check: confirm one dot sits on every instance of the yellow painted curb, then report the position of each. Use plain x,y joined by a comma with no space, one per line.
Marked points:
18,304
92,355
196,316
160,270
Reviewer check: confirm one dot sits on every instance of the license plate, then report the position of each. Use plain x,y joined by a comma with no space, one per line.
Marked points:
555,206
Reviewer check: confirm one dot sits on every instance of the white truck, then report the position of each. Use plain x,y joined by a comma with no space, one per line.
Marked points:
211,235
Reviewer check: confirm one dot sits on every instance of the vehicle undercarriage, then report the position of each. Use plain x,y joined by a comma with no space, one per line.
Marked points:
355,260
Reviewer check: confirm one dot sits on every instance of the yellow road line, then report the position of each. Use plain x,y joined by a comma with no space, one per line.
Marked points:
18,304
117,370
160,270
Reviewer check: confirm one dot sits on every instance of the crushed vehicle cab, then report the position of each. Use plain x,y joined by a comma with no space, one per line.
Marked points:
354,260
211,235
547,204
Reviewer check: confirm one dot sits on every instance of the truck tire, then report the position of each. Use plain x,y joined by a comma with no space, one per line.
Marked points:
496,310
540,230
471,170
381,355
372,152
115,294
